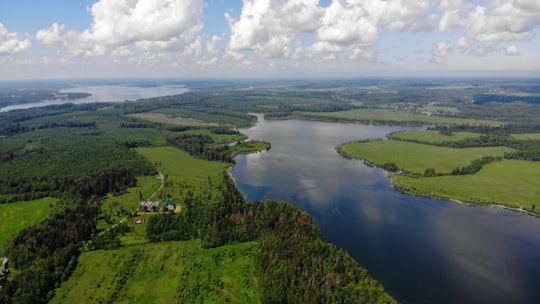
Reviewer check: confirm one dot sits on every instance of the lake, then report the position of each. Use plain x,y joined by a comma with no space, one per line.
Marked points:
106,93
422,250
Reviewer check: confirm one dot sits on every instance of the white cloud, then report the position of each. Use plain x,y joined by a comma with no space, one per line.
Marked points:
10,43
426,25
274,29
268,28
462,43
122,51
50,37
486,27
441,49
211,45
512,50
149,25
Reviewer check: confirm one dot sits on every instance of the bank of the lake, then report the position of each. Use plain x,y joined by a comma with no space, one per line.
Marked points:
422,250
512,184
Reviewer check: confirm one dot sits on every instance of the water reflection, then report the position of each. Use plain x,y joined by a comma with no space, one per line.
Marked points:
423,250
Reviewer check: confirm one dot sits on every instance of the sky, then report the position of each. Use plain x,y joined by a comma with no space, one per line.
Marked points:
57,39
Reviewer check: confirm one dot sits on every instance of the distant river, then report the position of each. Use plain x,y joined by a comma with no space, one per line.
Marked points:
106,93
422,250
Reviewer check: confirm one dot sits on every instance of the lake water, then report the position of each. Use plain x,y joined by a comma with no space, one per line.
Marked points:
106,93
422,250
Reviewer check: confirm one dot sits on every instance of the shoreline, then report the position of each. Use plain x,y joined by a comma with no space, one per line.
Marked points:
429,195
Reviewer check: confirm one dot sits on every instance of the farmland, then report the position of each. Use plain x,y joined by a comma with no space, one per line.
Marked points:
390,116
509,183
431,136
417,158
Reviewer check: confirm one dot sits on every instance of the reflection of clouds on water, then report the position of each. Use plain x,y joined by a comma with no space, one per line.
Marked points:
476,250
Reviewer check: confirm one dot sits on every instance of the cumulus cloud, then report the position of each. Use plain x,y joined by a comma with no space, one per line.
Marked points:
512,50
268,27
279,28
441,49
50,37
117,25
487,26
10,43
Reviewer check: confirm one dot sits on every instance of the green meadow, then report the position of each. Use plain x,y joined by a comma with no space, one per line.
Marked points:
170,119
19,215
431,136
179,272
217,138
417,158
510,182
391,116
534,136
177,163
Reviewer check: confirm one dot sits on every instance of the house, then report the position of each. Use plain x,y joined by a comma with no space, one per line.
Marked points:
169,206
4,270
149,206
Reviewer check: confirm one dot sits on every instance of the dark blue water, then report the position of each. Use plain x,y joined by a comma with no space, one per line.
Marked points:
422,250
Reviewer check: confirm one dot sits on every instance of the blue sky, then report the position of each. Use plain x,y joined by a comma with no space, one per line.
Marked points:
268,39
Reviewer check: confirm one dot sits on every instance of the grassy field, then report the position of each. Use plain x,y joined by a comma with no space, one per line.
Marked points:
508,182
129,201
176,120
16,216
418,157
387,115
177,163
173,272
535,136
218,138
432,136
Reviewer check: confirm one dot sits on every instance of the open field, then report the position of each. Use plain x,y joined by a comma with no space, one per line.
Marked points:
534,136
508,183
431,136
173,272
174,162
16,216
418,157
390,116
218,138
175,120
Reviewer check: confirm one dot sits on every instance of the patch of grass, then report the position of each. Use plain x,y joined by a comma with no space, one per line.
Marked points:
174,272
170,119
432,136
19,215
534,136
510,183
442,109
217,138
175,162
418,157
390,116
249,147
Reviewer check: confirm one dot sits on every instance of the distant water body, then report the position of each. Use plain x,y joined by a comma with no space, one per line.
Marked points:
422,250
106,93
